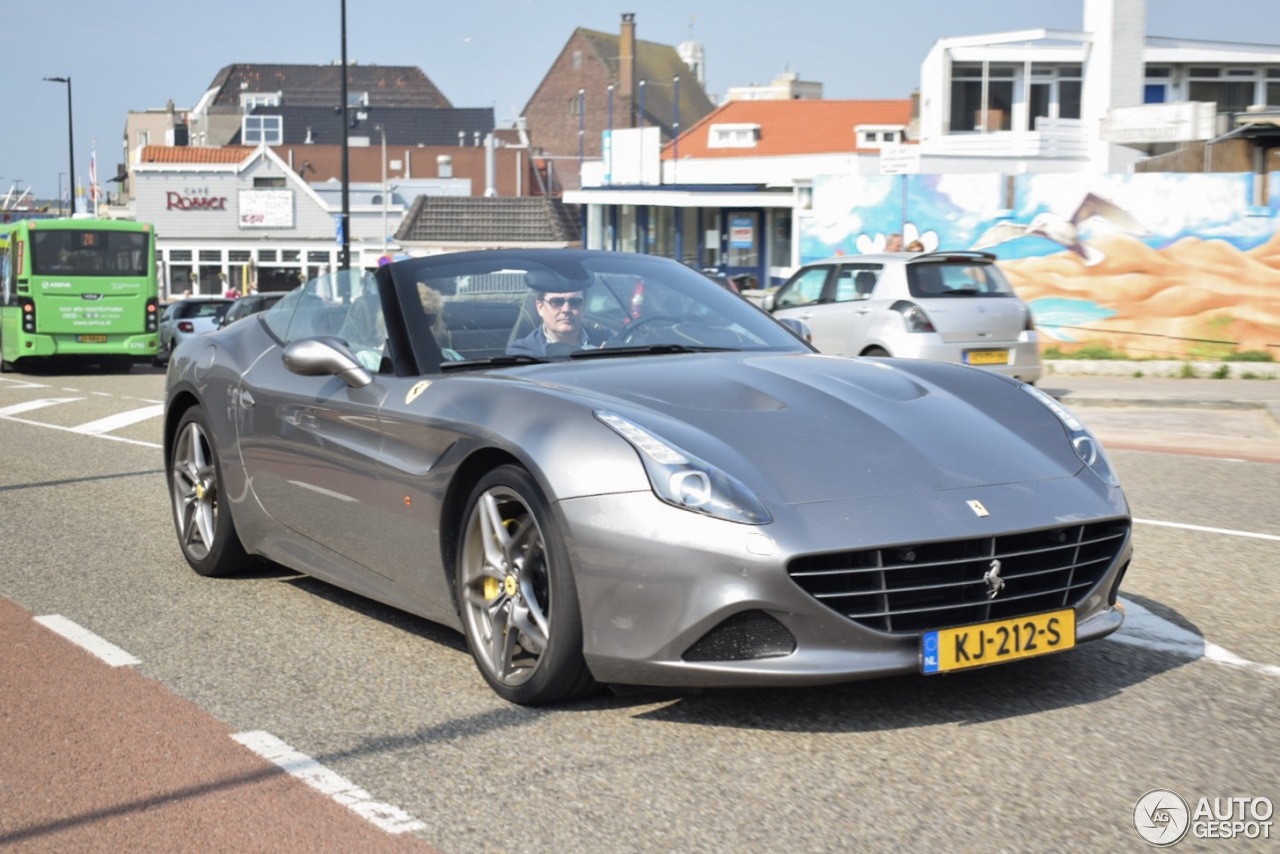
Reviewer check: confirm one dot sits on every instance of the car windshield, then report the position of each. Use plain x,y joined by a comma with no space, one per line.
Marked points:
511,306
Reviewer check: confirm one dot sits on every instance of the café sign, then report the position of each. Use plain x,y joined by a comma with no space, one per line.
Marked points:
194,200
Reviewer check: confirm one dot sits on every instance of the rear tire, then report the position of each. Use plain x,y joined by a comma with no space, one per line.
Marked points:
516,593
203,521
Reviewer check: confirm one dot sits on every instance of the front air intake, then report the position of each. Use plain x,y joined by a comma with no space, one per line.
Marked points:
742,637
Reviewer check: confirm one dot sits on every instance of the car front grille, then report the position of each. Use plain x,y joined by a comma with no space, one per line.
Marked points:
920,587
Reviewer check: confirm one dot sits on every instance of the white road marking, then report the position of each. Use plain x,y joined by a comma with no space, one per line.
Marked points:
16,384
82,637
120,419
29,405
1143,628
390,818
74,430
1203,529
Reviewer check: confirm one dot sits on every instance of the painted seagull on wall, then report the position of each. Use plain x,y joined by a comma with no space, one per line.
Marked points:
1062,230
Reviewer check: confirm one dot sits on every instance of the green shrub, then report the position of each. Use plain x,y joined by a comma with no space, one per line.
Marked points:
1088,351
1249,356
1221,372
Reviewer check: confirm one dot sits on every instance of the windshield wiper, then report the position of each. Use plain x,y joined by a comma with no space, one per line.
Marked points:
647,350
502,361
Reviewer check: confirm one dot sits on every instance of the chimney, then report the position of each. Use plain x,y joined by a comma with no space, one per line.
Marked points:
627,67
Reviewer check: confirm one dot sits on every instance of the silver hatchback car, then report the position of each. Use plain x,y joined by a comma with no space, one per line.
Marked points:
946,306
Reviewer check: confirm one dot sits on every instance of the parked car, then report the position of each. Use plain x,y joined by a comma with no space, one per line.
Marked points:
249,304
682,494
186,317
947,306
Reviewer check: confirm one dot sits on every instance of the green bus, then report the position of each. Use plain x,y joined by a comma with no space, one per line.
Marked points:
78,290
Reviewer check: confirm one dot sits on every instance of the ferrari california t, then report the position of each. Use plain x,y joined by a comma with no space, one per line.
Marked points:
604,469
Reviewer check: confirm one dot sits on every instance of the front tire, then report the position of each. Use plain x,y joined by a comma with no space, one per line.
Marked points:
516,593
202,519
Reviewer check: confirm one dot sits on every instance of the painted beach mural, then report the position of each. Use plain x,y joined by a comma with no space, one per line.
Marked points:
1155,265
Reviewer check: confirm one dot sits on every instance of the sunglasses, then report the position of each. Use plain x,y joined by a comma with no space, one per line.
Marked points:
558,303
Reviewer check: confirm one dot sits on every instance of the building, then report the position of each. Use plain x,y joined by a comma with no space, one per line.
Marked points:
726,192
601,81
1100,101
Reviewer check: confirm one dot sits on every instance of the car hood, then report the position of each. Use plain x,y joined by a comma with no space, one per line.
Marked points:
809,428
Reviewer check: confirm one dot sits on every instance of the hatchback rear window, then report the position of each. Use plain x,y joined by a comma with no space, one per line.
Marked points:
957,280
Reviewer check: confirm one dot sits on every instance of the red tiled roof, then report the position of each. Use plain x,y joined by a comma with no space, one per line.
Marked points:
792,127
192,154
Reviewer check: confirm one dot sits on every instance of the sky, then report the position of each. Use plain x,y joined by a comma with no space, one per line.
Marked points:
140,54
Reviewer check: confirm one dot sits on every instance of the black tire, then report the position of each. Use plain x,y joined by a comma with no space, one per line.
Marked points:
203,521
516,593
876,352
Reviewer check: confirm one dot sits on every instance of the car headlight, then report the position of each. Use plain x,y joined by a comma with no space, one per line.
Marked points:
684,481
1085,444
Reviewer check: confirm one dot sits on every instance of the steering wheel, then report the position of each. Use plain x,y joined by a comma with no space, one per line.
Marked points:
629,334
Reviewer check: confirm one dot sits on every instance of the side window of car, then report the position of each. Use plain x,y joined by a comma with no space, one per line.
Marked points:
804,288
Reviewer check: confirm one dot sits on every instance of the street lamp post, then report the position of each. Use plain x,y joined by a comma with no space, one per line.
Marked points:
383,132
71,141
344,261
60,209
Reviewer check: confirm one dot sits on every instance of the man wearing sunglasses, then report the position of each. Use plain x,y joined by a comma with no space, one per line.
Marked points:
561,329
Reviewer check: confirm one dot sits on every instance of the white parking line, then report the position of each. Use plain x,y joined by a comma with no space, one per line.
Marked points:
121,419
74,430
1145,629
87,640
1203,529
30,405
390,818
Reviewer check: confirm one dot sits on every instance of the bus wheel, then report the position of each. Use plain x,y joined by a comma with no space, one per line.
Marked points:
203,520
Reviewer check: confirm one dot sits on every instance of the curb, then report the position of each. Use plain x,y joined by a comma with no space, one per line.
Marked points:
1161,368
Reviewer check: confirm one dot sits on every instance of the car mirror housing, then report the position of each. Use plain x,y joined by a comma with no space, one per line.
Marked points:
317,357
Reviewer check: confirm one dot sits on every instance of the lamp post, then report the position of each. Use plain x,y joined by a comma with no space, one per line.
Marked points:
60,209
71,140
383,132
344,259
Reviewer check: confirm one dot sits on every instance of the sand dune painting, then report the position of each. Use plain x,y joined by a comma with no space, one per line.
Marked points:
1154,265
1193,298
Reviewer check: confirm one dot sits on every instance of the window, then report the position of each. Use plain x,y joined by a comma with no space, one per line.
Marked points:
262,130
733,135
210,256
856,283
144,138
249,100
804,288
878,136
970,110
269,181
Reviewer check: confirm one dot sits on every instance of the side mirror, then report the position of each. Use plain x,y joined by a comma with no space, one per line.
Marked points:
326,356
798,328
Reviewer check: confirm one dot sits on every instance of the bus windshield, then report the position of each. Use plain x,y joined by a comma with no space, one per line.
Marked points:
89,252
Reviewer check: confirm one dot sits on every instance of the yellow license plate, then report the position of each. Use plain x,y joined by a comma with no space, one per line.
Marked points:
986,357
92,339
996,642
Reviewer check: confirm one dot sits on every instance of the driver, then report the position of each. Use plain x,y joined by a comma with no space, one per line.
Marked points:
561,328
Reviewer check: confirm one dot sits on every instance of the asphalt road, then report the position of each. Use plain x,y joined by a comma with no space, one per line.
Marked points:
1050,754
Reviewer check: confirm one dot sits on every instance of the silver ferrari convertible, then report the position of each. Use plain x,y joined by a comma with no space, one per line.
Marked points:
604,469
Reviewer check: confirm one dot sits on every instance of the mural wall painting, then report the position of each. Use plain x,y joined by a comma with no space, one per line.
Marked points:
1154,265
